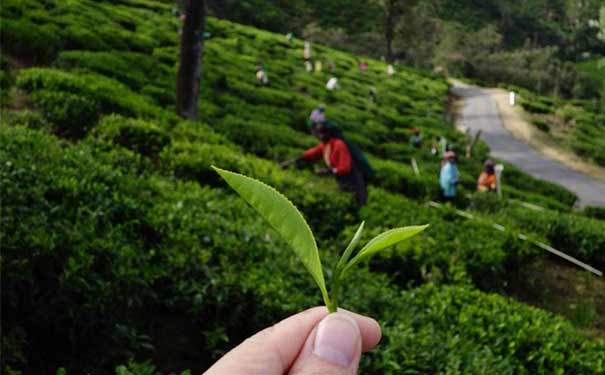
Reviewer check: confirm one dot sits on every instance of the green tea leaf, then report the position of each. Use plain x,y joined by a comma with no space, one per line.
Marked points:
384,240
284,217
349,250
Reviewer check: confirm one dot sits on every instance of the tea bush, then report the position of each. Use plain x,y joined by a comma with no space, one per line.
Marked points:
144,137
456,330
580,122
71,114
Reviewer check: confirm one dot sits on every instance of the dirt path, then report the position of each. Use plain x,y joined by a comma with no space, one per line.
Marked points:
481,112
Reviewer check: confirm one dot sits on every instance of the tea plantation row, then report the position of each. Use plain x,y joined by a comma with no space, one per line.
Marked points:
577,125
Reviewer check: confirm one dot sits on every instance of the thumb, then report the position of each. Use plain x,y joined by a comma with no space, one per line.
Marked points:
333,348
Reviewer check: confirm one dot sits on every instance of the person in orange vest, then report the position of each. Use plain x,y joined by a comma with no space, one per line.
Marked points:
487,179
339,161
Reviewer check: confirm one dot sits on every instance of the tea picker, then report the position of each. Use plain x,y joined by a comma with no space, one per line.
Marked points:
488,182
332,84
261,75
289,38
373,95
390,70
448,177
416,138
318,66
343,160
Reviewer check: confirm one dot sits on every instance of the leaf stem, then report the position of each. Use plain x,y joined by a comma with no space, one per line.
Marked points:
333,303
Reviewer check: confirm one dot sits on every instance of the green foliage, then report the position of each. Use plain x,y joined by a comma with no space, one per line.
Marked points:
71,115
383,241
438,324
284,218
21,37
140,136
145,368
595,212
109,95
577,124
132,69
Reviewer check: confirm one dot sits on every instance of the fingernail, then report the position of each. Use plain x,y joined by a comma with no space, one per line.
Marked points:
337,339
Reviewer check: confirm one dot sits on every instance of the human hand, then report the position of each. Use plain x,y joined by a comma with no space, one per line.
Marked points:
309,343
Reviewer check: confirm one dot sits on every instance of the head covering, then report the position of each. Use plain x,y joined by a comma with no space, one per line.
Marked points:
489,166
449,155
317,115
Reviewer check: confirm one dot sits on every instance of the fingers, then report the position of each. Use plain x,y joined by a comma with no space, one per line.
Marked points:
274,350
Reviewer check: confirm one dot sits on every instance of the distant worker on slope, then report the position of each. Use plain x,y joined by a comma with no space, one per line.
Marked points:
261,75
487,181
373,95
307,50
416,138
448,178
332,84
390,70
343,160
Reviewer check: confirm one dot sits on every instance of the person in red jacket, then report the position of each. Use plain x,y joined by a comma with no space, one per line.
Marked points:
339,162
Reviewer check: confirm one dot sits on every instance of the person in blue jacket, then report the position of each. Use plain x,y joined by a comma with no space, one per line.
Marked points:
448,178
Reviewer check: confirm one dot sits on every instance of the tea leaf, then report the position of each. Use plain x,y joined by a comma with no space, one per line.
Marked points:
284,217
349,250
384,240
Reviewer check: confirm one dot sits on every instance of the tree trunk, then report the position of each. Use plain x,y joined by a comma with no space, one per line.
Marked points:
192,45
389,28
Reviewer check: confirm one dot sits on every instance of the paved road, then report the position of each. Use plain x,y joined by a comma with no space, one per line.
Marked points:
481,113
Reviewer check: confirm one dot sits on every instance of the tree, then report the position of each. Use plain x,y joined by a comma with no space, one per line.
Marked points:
418,34
393,11
192,45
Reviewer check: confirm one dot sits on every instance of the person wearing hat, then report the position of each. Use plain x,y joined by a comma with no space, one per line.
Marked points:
487,181
261,74
339,160
318,115
448,178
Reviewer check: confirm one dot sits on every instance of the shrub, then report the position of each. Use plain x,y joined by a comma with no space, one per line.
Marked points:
144,137
132,69
534,106
259,138
595,212
575,235
110,95
30,119
542,125
456,330
25,39
71,115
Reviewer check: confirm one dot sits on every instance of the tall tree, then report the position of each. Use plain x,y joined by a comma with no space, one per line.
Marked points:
192,45
393,11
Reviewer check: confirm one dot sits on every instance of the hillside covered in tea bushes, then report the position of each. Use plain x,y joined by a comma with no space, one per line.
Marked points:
124,253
